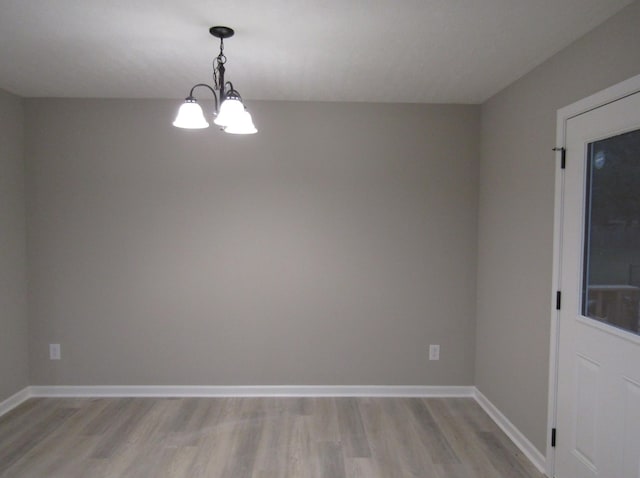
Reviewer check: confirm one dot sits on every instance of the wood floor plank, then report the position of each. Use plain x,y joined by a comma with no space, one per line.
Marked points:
29,413
383,453
65,440
179,466
216,447
272,454
461,436
331,460
457,470
144,442
16,449
302,456
361,468
62,467
430,434
468,409
417,460
352,434
246,440
504,459
256,438
395,445
13,420
187,408
117,436
110,416
324,420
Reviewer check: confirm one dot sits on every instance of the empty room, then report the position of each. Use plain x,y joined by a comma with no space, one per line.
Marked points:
320,239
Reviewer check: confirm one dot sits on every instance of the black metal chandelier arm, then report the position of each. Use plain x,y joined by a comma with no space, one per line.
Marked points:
215,96
229,90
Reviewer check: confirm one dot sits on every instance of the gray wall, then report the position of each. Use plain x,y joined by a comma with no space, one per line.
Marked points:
516,215
331,248
13,286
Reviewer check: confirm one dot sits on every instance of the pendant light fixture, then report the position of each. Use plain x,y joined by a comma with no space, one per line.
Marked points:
229,111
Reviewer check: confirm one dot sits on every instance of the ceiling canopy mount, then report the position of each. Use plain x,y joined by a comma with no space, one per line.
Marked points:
221,32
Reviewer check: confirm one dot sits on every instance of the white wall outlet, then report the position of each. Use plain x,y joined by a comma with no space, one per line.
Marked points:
434,352
54,352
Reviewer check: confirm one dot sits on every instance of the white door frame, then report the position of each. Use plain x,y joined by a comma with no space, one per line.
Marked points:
609,95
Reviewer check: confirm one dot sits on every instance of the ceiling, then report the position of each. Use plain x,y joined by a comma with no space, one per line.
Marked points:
415,51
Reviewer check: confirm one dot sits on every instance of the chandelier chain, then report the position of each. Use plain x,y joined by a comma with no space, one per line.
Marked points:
219,62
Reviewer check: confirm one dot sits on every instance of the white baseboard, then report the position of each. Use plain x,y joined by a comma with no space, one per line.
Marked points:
516,436
251,391
15,400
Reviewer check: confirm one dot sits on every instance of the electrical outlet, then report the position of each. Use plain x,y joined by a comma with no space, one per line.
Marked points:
54,352
434,352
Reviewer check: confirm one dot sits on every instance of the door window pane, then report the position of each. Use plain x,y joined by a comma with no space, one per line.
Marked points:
611,281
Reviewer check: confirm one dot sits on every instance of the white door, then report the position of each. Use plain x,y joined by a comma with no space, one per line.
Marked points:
598,394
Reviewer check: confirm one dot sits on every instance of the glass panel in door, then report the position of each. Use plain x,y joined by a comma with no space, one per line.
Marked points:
611,277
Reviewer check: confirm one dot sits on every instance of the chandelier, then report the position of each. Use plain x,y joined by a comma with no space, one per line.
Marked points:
229,112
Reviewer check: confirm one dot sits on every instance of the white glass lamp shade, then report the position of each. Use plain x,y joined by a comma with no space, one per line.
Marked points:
243,125
230,112
190,116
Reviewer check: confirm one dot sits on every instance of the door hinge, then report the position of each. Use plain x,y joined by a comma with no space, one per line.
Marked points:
563,157
553,437
558,299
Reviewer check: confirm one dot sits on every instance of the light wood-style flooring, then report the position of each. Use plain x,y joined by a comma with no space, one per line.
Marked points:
256,438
